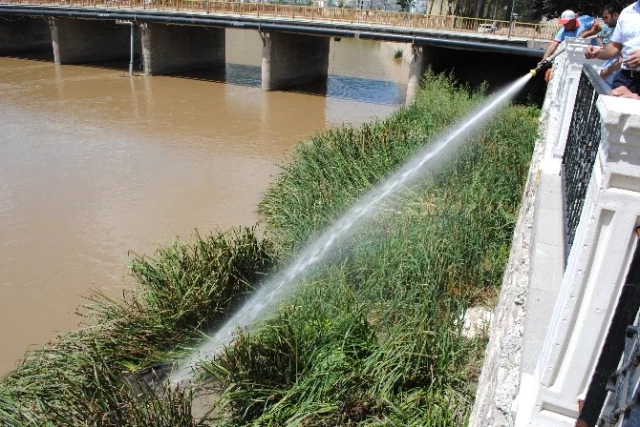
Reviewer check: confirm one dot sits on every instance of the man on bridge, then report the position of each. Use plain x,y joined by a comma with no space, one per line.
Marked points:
572,26
610,15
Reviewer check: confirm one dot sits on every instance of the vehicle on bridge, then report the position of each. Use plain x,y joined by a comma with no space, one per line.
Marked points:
488,28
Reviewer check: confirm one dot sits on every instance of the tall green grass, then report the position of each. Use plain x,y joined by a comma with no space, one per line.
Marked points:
370,338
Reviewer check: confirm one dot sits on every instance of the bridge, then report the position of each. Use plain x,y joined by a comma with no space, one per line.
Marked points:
178,35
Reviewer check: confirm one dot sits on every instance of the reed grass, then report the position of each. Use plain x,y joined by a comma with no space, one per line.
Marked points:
370,338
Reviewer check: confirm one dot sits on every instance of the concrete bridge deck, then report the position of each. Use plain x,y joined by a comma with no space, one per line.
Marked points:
440,31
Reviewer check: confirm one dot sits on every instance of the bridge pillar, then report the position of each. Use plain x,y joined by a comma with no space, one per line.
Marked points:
421,56
173,48
23,34
293,59
78,40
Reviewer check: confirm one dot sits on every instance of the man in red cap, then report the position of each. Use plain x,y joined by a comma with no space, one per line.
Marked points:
582,26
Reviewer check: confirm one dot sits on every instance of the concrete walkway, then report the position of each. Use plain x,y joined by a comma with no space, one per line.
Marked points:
547,265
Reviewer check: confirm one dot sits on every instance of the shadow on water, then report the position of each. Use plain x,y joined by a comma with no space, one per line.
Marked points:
236,74
357,89
120,64
44,55
341,87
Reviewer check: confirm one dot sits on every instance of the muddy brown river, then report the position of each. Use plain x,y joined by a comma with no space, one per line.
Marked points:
95,164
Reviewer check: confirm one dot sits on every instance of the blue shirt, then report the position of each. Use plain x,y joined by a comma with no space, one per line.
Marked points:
585,22
605,33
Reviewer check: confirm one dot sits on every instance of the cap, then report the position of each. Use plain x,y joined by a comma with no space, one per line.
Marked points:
567,16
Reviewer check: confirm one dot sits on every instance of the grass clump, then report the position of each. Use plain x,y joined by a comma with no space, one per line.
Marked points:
93,374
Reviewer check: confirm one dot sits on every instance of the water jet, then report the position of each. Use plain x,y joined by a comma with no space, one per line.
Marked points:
277,289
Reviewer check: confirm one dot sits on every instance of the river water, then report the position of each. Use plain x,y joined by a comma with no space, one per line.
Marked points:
94,164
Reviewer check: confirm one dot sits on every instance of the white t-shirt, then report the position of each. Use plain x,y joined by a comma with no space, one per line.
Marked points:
627,31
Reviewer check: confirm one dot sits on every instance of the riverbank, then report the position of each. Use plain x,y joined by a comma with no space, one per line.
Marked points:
369,337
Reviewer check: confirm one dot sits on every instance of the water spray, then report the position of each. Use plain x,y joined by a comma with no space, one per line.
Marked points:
278,288
547,63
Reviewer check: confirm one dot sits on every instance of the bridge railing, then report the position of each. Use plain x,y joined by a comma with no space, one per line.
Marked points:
364,16
600,188
583,141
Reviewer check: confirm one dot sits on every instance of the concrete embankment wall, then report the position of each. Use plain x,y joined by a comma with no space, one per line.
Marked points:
499,383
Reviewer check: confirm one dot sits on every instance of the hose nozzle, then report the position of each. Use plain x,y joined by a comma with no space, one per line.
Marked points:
541,67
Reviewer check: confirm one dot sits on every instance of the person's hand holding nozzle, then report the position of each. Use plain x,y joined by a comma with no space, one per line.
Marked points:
542,65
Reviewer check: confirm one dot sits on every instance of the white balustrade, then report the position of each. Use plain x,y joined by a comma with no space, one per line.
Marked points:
600,255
